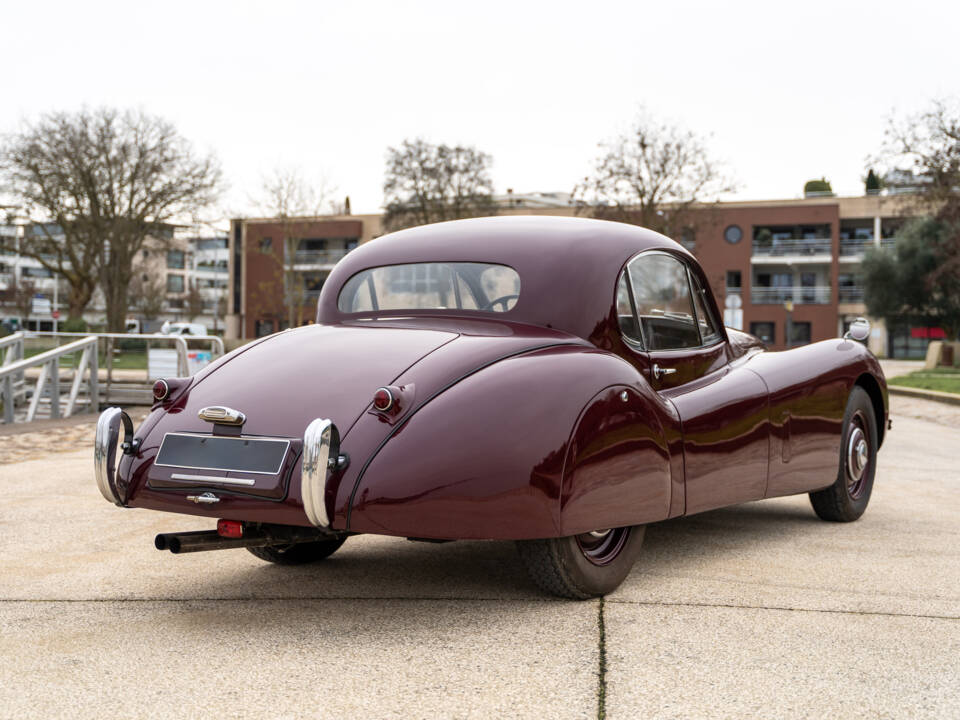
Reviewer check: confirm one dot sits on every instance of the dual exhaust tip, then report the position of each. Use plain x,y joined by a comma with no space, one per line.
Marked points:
204,540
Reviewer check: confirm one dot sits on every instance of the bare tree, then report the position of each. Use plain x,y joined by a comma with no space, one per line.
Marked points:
193,302
107,180
22,291
288,197
925,150
651,177
428,183
147,295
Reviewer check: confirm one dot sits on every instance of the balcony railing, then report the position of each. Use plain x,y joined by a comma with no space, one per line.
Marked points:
801,295
777,248
854,246
319,257
850,294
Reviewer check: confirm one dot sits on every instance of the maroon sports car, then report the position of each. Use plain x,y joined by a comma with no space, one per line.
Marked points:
559,382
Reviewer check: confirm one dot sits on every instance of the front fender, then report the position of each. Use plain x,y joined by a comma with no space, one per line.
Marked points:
486,458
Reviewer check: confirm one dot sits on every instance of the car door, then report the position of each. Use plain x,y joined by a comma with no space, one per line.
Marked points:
723,406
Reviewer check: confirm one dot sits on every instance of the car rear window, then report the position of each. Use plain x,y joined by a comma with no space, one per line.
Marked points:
483,287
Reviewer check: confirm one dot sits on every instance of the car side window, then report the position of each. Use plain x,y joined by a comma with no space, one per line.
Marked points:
709,330
663,301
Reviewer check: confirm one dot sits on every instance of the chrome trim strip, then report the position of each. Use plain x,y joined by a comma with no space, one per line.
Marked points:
214,479
318,441
223,437
105,452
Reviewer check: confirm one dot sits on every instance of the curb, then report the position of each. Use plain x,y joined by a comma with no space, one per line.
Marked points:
935,395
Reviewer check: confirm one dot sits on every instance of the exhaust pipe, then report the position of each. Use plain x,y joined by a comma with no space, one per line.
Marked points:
203,540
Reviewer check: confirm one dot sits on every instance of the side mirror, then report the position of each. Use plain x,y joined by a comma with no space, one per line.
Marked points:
859,330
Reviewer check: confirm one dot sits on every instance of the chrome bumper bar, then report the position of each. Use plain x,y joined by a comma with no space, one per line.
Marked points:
105,451
321,454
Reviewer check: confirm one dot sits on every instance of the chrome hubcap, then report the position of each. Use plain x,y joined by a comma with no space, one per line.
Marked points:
857,456
602,546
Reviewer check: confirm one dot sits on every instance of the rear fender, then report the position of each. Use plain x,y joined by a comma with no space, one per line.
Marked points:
486,458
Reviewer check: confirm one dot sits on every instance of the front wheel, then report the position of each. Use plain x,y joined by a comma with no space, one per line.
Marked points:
582,566
847,498
298,553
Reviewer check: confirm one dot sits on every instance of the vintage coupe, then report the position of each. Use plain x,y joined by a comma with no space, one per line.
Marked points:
560,382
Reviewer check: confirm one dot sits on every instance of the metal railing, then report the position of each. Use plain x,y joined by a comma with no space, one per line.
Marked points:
110,341
800,295
777,248
49,380
319,257
855,246
850,294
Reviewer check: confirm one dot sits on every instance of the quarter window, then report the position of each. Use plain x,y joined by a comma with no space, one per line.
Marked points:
663,302
707,324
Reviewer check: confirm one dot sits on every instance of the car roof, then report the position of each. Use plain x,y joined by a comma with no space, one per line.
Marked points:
568,266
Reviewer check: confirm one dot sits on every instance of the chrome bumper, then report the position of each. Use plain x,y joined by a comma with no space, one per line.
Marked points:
105,451
321,454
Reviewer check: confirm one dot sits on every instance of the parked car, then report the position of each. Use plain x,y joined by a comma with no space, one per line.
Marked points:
183,328
558,382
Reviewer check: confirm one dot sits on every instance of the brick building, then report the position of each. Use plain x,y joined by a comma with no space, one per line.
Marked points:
761,257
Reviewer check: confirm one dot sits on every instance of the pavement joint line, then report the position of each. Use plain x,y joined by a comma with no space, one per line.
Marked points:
879,613
602,664
378,598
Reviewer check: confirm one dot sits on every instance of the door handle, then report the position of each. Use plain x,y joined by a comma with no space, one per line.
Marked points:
659,372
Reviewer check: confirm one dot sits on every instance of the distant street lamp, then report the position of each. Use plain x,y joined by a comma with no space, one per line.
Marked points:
788,306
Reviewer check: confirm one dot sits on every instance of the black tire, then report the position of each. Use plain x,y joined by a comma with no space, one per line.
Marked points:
582,566
299,553
847,498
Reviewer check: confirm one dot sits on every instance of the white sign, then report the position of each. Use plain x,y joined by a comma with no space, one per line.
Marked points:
40,305
162,363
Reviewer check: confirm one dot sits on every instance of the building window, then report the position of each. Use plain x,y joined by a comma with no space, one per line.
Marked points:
263,328
36,272
733,234
266,245
688,238
176,259
734,280
766,331
146,254
799,333
174,283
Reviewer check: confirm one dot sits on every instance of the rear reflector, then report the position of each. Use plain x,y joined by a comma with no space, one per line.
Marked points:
230,528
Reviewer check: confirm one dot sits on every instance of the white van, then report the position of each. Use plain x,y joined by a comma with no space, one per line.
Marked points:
183,328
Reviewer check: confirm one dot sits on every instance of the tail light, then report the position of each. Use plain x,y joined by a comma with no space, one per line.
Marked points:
230,528
161,390
383,399
166,390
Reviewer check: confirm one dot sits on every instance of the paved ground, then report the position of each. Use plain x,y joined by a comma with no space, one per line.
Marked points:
757,610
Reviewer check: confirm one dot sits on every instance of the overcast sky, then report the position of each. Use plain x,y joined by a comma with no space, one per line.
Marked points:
787,92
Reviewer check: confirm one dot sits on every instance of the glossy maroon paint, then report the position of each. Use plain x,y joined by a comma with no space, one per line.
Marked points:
538,422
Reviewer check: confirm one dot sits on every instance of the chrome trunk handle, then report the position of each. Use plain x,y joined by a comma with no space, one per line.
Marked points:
659,372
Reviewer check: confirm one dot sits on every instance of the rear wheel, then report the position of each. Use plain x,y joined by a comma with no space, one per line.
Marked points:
847,498
582,566
298,553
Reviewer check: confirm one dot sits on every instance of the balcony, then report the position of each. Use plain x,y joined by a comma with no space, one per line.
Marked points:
850,294
319,257
801,295
808,250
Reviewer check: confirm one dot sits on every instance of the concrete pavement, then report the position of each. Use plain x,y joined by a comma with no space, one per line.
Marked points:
757,610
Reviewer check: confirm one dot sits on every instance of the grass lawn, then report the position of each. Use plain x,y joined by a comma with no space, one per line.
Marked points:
942,379
124,360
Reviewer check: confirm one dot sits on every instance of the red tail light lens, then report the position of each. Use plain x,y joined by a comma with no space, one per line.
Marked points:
161,391
383,399
230,528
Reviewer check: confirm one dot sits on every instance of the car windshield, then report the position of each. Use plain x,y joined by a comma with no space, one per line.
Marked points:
480,287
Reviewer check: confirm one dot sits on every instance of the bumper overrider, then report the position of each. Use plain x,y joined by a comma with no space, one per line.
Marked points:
321,455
